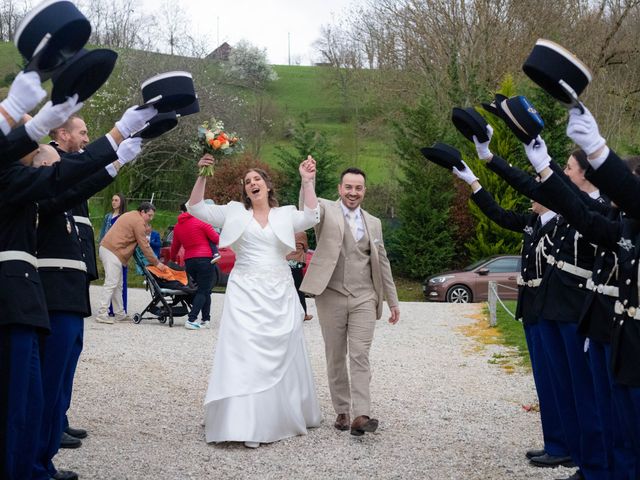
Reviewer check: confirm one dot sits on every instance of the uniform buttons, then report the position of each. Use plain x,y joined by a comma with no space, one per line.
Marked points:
557,250
562,237
526,256
627,281
633,261
625,302
580,285
602,254
599,270
621,322
26,275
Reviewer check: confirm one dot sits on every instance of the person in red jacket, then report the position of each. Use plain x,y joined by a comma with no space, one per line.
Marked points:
199,240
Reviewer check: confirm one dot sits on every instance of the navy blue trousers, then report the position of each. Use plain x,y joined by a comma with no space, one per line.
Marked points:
575,396
21,400
552,432
59,360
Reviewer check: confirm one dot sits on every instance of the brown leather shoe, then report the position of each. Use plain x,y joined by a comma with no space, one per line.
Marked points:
363,424
342,421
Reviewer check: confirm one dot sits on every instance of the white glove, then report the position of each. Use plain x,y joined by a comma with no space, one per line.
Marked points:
25,93
134,119
483,148
129,150
465,174
537,154
583,130
51,116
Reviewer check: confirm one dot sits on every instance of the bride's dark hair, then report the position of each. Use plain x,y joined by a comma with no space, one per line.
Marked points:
267,180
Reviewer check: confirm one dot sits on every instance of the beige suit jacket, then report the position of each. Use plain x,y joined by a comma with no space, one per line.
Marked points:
329,237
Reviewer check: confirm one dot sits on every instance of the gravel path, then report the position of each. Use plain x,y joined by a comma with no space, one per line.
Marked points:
445,411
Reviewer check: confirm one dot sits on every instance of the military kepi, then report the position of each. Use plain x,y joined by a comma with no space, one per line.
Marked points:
470,123
84,74
50,34
169,91
519,115
558,71
444,155
159,124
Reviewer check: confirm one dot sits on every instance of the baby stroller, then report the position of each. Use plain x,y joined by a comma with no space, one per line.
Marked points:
169,299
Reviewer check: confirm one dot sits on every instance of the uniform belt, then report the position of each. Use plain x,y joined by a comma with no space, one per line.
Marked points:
83,220
18,255
610,290
633,312
534,282
569,267
62,263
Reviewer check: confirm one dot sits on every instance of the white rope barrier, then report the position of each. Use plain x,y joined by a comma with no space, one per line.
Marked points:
494,299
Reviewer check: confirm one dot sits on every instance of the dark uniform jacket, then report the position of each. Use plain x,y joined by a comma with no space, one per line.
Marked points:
623,236
615,180
532,263
66,288
563,290
22,298
80,212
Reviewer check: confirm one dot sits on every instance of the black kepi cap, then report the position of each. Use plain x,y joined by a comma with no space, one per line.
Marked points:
169,91
83,74
469,123
50,34
444,155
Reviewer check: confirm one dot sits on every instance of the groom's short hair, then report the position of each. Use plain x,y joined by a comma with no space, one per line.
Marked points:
355,171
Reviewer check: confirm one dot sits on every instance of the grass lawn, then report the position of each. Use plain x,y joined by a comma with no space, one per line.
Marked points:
512,332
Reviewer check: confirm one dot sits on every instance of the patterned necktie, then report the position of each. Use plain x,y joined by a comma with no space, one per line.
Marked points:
351,220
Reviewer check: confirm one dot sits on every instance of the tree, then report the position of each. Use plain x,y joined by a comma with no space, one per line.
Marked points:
424,242
307,141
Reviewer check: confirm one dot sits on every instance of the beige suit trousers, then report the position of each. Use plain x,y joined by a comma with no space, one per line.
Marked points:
347,324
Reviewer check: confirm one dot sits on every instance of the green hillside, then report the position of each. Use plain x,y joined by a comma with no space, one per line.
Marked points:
298,90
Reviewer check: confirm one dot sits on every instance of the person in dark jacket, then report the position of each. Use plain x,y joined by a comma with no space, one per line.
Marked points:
196,236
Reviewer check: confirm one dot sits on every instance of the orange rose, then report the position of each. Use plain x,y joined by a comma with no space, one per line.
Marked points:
216,144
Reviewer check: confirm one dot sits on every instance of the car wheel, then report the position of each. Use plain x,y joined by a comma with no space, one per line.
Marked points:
459,294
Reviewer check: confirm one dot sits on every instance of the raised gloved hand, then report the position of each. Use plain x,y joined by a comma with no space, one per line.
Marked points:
483,148
465,174
24,94
134,119
583,130
51,116
537,154
129,150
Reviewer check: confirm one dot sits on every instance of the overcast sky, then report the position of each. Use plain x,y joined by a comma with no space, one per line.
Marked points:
267,24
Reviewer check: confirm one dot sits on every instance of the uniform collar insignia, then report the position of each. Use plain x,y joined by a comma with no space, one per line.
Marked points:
626,244
528,230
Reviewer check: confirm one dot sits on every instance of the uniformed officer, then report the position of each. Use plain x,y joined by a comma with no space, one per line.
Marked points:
23,314
559,302
63,273
536,227
614,178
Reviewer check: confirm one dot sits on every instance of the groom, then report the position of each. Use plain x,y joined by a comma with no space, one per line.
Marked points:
350,275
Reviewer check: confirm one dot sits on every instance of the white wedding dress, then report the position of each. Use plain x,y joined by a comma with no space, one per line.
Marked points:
261,387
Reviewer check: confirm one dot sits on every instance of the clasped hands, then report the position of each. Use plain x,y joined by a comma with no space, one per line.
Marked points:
308,169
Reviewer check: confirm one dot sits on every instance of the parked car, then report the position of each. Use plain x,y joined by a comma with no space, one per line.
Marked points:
471,284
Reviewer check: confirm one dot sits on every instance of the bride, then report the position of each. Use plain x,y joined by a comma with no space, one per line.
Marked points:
261,387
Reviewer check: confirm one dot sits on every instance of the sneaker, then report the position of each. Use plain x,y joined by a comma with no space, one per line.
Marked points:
124,319
104,318
205,324
191,325
216,258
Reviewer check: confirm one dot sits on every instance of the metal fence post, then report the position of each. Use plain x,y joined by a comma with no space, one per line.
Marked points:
492,301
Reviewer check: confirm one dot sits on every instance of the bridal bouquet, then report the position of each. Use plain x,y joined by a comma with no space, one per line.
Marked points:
213,139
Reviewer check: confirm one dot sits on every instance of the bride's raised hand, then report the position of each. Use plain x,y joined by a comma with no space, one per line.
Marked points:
206,160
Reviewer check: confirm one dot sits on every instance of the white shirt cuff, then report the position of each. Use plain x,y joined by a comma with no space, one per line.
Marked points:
597,162
4,125
113,143
112,170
